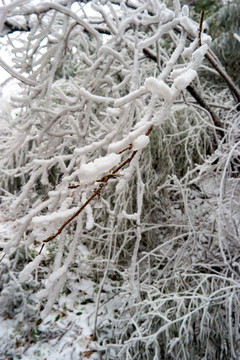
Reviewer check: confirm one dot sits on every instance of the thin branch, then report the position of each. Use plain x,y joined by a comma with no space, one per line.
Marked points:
197,96
200,27
76,213
16,75
218,66
127,148
104,182
211,104
215,62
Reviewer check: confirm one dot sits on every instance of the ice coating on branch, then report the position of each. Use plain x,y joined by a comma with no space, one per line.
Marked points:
131,96
118,146
96,168
158,87
132,136
91,97
167,15
185,10
198,55
206,39
163,29
85,59
163,14
25,273
90,219
129,216
146,19
177,72
177,7
114,111
182,81
190,26
55,216
189,50
117,55
237,37
88,210
94,145
140,142
56,275
44,178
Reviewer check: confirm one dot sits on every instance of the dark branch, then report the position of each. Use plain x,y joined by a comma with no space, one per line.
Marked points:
12,26
197,96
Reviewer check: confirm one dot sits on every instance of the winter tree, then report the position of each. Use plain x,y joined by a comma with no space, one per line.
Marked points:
120,164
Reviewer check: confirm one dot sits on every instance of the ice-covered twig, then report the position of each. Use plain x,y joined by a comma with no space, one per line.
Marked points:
103,182
16,75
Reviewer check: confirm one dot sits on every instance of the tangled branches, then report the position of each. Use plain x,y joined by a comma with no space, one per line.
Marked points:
112,92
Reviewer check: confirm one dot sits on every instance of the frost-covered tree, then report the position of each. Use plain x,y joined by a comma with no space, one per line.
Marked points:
121,162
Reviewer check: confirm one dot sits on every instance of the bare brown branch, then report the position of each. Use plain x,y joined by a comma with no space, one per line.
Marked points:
200,27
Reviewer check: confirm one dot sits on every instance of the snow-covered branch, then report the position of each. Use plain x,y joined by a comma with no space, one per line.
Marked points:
106,150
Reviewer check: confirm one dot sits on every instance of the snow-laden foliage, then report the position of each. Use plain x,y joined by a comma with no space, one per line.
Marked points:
112,170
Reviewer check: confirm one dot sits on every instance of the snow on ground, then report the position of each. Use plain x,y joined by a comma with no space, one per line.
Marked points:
67,332
64,334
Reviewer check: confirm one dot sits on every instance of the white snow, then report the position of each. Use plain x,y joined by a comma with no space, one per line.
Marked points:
56,275
118,145
177,7
95,144
166,15
26,272
206,39
189,50
177,72
189,25
140,142
89,212
236,36
163,29
96,168
131,96
55,216
185,10
90,219
183,80
129,216
156,86
98,99
198,55
4,233
114,111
